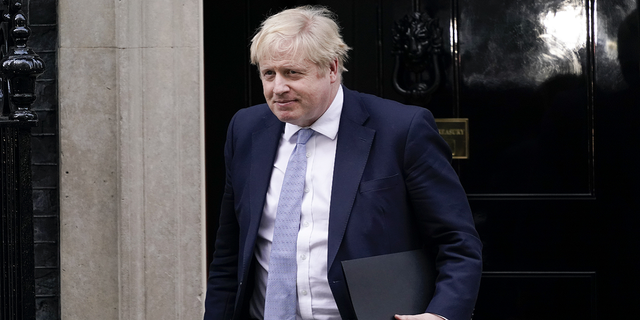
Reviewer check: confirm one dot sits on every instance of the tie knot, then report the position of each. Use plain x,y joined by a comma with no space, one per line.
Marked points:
304,135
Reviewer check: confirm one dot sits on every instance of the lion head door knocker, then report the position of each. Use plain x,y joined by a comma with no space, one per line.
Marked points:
417,44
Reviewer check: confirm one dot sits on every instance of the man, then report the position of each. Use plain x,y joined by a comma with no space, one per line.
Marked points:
378,180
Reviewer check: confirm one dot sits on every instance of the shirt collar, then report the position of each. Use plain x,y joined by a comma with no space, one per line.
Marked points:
327,124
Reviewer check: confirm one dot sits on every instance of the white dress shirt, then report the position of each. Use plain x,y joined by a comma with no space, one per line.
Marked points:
315,300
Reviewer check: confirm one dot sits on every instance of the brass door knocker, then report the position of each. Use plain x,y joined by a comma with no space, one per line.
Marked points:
417,44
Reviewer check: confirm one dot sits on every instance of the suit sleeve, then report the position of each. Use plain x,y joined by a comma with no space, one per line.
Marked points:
444,218
223,272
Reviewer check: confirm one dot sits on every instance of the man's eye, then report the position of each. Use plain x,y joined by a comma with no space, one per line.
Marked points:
267,73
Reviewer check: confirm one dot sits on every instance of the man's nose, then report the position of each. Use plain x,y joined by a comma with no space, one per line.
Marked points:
281,85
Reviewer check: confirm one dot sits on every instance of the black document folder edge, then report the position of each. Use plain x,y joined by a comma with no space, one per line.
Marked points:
383,286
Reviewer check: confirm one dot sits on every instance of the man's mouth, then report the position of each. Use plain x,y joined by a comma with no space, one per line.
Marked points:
284,103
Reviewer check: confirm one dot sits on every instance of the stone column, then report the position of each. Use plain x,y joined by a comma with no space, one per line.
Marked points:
132,159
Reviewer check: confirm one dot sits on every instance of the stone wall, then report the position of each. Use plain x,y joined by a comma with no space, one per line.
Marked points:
131,159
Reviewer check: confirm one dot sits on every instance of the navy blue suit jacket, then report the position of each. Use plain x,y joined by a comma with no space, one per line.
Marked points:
393,190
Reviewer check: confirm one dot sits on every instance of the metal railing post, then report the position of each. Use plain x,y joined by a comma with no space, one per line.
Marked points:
19,68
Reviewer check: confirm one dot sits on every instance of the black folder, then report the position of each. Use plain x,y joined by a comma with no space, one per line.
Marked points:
383,286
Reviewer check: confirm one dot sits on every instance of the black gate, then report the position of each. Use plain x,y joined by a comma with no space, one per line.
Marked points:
19,68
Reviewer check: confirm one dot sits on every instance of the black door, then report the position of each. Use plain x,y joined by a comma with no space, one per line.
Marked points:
550,89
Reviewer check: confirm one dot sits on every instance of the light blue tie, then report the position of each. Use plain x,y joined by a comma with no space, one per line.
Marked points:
281,299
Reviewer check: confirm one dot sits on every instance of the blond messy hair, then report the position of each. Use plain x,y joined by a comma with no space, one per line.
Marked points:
307,32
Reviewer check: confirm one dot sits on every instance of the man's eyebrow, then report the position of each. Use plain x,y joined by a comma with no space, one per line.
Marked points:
285,66
295,66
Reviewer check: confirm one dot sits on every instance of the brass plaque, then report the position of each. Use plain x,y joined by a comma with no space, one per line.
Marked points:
455,132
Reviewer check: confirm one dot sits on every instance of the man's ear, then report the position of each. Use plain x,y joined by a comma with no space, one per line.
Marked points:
333,70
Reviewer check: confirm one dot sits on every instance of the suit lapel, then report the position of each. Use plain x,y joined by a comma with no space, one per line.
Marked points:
264,145
354,144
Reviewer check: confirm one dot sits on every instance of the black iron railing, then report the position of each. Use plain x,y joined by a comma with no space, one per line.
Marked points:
19,68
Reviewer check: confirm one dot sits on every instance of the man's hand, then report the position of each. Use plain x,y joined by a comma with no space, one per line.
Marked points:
424,316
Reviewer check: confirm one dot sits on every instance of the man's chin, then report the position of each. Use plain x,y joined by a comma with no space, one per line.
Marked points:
286,117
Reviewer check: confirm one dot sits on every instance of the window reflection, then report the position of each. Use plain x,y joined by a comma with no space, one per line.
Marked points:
565,34
567,25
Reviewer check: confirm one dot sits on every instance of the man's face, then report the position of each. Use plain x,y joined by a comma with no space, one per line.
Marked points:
296,91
